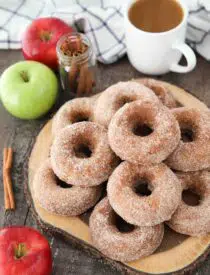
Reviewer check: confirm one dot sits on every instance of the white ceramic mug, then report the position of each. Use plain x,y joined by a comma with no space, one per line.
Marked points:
158,53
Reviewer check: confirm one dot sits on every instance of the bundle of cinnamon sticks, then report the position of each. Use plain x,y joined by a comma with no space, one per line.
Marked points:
80,76
8,190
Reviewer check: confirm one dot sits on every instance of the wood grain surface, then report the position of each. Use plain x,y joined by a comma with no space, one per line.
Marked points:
20,135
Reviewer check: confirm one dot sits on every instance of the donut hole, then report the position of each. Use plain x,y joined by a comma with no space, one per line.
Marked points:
83,150
140,119
142,130
123,100
62,184
191,197
79,117
121,225
187,135
142,188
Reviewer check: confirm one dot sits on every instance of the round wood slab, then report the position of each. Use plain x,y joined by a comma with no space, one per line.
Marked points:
177,252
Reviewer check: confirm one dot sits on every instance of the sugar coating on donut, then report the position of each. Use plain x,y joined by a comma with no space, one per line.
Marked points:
137,208
188,219
192,154
117,96
81,155
73,111
140,148
161,90
125,247
71,201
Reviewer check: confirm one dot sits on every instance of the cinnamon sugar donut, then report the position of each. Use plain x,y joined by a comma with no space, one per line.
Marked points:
189,219
73,111
193,151
81,155
143,132
144,196
160,90
118,95
121,245
66,201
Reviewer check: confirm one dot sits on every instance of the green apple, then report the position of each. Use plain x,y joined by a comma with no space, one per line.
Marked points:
28,89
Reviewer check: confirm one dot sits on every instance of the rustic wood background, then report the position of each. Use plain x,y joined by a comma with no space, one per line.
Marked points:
20,135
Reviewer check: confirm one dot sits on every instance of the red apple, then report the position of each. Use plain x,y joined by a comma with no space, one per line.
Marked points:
24,251
40,38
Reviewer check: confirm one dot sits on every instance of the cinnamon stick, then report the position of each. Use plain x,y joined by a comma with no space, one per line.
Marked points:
9,180
8,190
7,204
73,46
78,43
73,74
82,80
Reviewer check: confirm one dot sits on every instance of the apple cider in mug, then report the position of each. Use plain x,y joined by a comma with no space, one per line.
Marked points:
155,36
155,15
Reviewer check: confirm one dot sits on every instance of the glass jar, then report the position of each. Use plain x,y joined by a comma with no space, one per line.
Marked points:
78,68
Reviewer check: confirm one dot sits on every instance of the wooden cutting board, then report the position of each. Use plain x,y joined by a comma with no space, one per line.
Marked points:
177,253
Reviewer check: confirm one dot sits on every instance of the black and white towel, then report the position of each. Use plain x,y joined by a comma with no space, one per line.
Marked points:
101,20
198,31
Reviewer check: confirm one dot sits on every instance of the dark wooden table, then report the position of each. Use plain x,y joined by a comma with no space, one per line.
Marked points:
19,134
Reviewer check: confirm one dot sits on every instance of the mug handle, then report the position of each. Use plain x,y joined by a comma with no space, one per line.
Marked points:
190,57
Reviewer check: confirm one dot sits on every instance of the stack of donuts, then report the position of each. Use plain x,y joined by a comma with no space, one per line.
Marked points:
148,151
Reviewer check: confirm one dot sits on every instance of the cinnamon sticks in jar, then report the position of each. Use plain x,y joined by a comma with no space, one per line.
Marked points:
77,63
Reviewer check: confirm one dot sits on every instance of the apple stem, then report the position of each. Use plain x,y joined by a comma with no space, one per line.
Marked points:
45,36
20,250
24,76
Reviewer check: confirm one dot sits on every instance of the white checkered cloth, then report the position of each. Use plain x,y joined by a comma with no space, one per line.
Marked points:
198,32
101,20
